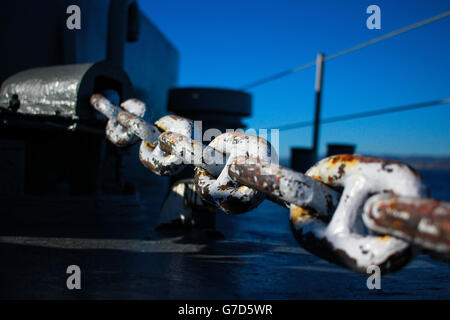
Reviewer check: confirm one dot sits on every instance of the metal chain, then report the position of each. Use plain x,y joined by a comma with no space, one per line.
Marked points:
331,206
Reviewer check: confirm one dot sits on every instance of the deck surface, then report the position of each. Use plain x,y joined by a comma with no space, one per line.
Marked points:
125,258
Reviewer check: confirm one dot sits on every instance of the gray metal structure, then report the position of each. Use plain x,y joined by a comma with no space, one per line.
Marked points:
48,73
63,91
110,29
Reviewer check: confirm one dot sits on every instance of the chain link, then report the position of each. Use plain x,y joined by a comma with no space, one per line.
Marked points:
351,210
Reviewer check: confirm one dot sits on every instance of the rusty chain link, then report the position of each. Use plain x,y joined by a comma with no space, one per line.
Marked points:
351,210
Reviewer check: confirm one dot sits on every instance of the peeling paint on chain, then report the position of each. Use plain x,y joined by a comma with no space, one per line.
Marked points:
224,191
211,180
343,239
285,184
150,153
425,222
115,132
329,206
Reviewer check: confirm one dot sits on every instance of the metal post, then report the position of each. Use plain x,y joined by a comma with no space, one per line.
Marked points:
318,88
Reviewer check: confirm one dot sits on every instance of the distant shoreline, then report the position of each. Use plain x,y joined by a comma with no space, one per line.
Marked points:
417,162
425,163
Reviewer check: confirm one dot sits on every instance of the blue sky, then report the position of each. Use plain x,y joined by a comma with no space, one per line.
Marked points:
231,43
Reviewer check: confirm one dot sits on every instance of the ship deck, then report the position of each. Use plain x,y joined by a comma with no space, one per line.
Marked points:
124,257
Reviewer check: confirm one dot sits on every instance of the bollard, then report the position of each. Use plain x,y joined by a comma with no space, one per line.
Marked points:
336,148
302,159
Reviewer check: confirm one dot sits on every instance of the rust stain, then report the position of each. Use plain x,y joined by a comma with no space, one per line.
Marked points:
161,127
434,211
317,178
299,214
149,145
384,238
341,170
343,158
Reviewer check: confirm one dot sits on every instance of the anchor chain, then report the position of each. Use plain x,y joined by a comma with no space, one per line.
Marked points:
350,210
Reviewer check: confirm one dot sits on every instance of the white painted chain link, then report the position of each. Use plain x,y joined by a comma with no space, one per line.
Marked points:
351,210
